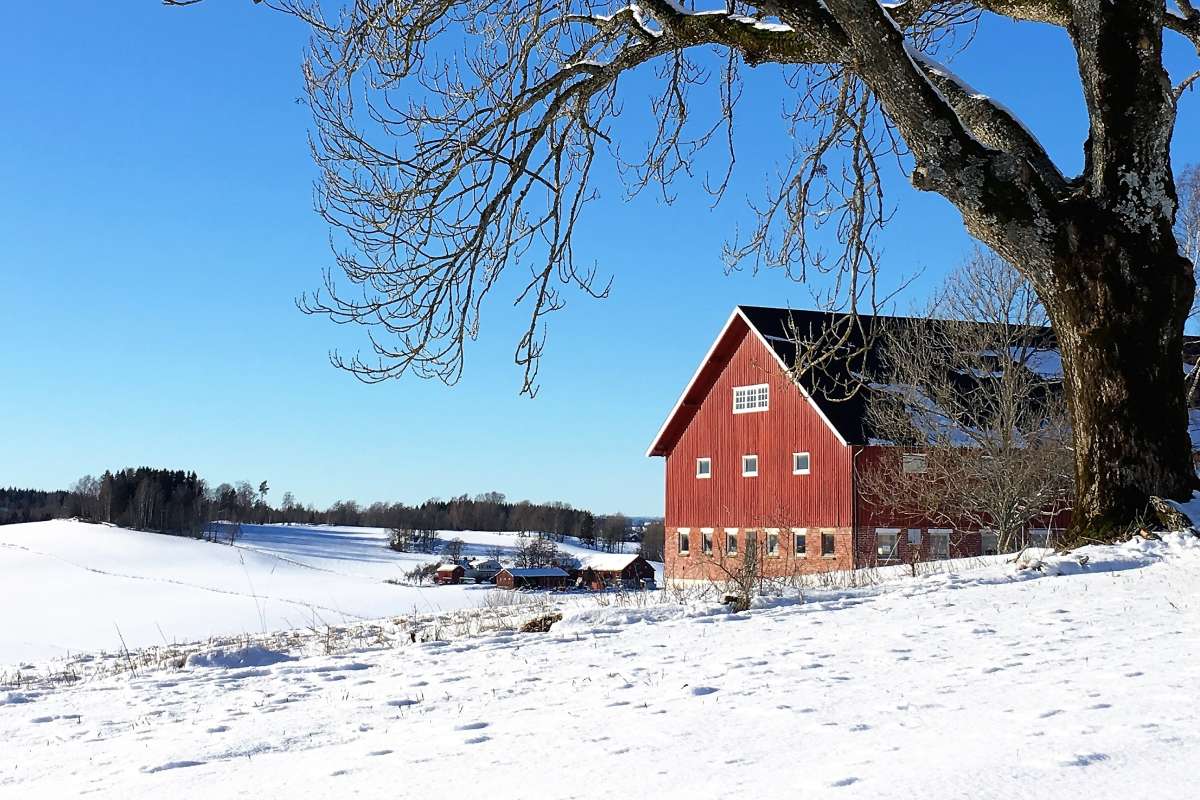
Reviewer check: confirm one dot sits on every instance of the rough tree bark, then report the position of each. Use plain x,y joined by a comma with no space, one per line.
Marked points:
442,172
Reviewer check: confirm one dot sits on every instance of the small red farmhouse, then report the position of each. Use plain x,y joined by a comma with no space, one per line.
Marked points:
755,458
449,573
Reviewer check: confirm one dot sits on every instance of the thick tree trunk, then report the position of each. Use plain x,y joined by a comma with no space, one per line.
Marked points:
1119,319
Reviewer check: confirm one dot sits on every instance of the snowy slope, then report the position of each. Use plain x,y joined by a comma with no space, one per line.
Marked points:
88,587
1075,681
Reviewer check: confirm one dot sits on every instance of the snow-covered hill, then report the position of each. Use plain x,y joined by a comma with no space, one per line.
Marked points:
83,587
1077,680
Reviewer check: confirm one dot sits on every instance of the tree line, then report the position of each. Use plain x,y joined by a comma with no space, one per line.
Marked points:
181,502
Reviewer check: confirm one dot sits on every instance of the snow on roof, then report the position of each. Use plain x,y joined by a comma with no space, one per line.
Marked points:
448,567
536,572
609,562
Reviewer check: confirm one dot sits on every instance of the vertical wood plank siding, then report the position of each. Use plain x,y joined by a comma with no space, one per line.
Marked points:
776,498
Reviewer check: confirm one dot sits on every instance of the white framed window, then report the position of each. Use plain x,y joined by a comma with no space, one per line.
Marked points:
939,542
800,541
887,543
684,540
800,463
914,463
773,542
750,466
731,547
990,541
703,467
828,544
748,399
706,541
1040,537
914,537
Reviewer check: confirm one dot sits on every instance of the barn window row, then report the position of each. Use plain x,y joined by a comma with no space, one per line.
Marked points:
772,542
801,465
888,541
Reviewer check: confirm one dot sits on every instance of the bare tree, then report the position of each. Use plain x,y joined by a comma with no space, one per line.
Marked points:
972,408
458,138
453,549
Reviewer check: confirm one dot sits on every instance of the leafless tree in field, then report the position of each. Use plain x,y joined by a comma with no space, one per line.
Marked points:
458,140
975,410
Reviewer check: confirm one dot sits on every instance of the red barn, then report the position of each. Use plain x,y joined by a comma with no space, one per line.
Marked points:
449,574
755,459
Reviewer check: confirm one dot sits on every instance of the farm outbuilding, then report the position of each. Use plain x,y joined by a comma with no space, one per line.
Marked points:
449,573
608,570
531,578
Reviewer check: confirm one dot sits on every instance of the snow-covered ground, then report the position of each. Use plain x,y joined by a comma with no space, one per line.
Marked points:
1076,680
82,587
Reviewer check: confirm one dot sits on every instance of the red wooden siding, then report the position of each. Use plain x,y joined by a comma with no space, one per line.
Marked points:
776,498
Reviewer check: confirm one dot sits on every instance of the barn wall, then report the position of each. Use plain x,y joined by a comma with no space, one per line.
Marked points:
774,499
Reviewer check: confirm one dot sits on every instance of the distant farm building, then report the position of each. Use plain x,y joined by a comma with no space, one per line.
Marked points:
482,570
449,573
531,578
616,570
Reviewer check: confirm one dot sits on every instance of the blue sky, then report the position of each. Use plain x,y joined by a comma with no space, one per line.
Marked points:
156,225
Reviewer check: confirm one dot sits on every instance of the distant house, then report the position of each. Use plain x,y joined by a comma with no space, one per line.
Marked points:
531,578
482,570
449,573
606,570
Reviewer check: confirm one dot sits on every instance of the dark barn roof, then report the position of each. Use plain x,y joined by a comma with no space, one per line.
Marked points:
779,329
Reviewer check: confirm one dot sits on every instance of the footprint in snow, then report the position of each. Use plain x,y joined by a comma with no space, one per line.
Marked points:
217,729
380,753
402,703
472,726
1085,760
478,739
171,765
699,691
844,782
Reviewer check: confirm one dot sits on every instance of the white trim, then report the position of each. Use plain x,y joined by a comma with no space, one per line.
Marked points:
808,457
683,532
753,474
753,390
703,363
769,532
704,475
947,532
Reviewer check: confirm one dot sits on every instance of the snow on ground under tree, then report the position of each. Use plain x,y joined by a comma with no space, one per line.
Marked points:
81,587
1076,681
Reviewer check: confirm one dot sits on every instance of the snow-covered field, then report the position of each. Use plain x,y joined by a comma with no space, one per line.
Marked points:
81,587
1072,681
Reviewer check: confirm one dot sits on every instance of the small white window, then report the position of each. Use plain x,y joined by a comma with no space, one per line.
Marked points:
914,537
939,542
747,399
887,543
684,543
773,541
749,466
1040,537
800,463
828,544
706,540
703,467
731,541
990,542
914,463
800,540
